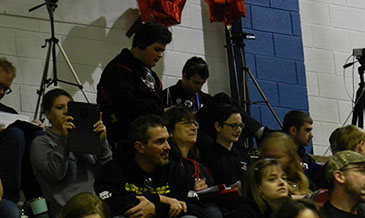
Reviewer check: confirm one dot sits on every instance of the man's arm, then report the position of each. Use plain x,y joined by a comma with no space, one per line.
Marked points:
143,209
110,186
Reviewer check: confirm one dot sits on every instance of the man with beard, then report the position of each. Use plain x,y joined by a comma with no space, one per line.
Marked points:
346,176
298,125
145,184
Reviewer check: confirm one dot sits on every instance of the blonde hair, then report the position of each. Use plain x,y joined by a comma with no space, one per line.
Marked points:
84,204
255,175
298,183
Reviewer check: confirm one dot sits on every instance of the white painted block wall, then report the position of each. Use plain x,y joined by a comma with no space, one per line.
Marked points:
92,32
330,30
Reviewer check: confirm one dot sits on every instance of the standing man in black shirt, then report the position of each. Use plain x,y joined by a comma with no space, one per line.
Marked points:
346,175
128,88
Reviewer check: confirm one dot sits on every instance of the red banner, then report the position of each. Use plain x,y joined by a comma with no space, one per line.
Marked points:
166,12
225,10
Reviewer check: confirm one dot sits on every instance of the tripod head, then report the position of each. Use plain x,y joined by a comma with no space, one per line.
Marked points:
51,7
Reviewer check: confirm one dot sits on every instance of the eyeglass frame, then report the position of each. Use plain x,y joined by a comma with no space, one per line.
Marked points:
361,167
6,90
234,126
189,123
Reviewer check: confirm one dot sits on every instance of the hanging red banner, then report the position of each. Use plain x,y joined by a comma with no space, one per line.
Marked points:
225,10
166,12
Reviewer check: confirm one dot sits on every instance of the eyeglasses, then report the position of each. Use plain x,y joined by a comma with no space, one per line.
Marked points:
6,90
360,169
190,123
235,126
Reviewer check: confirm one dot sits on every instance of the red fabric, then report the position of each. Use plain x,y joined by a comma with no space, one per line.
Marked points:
225,10
166,12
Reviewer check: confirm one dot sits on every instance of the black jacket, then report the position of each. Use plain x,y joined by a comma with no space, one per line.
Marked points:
227,166
119,181
176,95
123,95
188,164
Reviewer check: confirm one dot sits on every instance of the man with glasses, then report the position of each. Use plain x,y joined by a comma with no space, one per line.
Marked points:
346,176
144,183
13,146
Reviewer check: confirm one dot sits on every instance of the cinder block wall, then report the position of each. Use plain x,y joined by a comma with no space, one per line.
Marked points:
92,32
276,58
331,29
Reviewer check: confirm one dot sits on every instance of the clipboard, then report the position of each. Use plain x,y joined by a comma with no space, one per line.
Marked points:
83,139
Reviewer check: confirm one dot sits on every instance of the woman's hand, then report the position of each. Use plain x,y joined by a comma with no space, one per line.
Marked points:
67,125
99,127
201,184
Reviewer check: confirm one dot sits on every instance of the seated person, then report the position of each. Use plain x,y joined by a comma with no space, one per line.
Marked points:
8,209
187,91
301,208
227,163
14,146
61,173
280,146
346,178
299,125
183,129
207,132
85,205
265,190
145,183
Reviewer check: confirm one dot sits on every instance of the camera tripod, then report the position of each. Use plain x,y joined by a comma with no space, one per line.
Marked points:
51,43
235,41
358,110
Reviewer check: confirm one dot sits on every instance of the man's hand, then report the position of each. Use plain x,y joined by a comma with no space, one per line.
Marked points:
200,184
144,209
39,123
176,207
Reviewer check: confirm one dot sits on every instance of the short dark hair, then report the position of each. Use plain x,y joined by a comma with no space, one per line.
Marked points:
196,65
177,114
292,208
295,118
138,130
149,33
7,66
50,97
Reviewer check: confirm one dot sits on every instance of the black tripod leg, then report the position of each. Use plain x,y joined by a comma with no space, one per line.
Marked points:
44,81
358,110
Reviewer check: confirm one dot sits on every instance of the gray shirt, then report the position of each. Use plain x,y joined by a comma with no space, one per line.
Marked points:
60,173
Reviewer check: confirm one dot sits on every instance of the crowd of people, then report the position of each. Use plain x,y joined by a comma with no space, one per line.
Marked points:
159,149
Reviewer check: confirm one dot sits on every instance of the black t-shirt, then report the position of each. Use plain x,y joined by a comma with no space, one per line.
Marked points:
330,211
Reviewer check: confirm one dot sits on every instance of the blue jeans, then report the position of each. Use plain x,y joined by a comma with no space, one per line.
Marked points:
8,209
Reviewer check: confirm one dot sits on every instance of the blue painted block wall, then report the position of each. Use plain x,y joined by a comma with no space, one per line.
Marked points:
275,58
